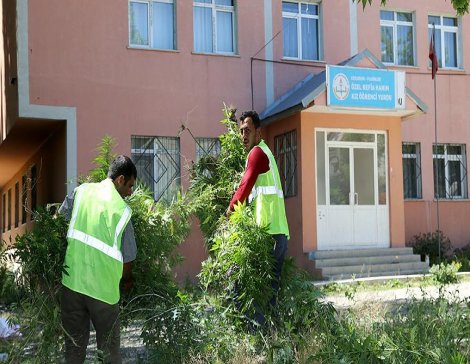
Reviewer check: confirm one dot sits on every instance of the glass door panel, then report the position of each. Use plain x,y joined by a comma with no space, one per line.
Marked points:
339,175
364,176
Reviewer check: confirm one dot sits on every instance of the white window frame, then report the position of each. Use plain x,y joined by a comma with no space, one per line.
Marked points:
149,4
419,182
447,29
394,24
222,8
298,16
463,172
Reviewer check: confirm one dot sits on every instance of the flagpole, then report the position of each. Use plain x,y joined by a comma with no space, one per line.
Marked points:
435,142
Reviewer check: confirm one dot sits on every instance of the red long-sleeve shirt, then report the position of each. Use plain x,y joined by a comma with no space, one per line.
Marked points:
257,164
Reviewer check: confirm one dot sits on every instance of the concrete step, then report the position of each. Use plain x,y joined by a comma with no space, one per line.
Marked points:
384,259
337,277
372,269
348,253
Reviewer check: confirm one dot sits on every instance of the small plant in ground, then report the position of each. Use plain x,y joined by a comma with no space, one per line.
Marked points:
430,244
445,273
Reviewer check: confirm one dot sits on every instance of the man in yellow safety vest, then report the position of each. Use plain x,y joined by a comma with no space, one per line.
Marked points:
101,247
261,187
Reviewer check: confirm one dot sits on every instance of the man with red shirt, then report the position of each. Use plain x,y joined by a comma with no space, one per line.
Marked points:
261,187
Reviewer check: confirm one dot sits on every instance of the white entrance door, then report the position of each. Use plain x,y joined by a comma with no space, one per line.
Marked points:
352,212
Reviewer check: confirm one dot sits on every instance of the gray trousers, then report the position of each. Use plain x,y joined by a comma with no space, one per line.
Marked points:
76,312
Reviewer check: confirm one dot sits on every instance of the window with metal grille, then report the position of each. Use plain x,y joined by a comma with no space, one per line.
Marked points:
206,146
285,152
4,212
9,210
34,188
450,171
17,204
24,198
411,154
157,160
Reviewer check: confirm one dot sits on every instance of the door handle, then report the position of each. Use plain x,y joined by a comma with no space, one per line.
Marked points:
356,198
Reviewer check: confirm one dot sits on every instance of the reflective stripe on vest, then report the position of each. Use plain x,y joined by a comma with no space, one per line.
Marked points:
264,190
111,251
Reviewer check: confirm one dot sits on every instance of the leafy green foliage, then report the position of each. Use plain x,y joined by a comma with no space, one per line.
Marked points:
430,244
41,253
215,178
445,273
462,255
460,6
241,264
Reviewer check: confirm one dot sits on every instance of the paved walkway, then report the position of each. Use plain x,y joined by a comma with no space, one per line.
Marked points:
400,295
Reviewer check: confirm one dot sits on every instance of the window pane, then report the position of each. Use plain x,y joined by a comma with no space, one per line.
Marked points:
405,45
386,15
224,2
439,177
455,179
454,149
9,210
309,9
204,1
438,149
224,31
408,148
24,198
382,169
404,17
290,7
309,38
350,137
409,178
339,176
450,49
167,168
163,26
450,22
434,20
139,23
17,204
386,44
291,48
203,39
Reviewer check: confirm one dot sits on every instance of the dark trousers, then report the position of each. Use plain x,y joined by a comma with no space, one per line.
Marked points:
76,312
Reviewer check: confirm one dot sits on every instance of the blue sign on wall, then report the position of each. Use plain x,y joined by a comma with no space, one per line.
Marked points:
356,87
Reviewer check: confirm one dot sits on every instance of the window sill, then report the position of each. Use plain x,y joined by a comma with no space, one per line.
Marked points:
133,48
216,54
393,65
452,200
304,61
449,71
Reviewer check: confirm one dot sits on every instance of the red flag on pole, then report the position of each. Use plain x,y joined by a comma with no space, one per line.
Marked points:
433,56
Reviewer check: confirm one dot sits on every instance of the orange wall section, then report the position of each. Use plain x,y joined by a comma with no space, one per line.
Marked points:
391,125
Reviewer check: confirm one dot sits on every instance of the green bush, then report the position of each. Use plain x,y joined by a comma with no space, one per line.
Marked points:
445,273
429,244
462,256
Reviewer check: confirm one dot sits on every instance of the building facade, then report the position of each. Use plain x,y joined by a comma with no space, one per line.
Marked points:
139,70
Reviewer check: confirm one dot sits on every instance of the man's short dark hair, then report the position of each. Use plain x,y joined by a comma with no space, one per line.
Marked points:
122,165
253,115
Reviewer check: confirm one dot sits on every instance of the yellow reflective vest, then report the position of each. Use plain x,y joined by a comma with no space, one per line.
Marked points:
267,198
93,259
